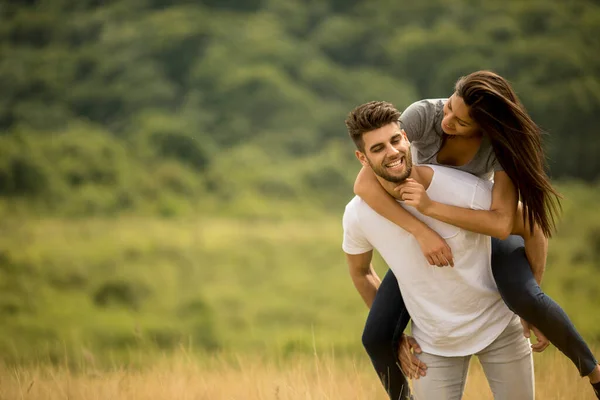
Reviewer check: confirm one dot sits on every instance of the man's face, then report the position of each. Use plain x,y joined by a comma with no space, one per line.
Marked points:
387,152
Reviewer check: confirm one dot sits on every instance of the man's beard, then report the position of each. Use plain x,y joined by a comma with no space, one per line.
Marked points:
381,170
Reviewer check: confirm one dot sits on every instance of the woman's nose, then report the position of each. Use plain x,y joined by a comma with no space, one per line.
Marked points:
448,121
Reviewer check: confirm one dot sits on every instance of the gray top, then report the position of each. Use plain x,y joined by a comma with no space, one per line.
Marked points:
422,122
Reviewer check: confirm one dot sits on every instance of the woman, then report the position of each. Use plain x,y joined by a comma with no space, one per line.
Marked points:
483,129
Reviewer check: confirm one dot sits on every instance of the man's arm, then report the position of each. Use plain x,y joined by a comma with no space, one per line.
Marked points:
363,275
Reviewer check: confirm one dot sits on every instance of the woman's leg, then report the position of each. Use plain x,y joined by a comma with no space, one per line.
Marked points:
386,322
524,297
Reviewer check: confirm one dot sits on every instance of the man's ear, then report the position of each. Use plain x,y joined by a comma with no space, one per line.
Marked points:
402,131
362,158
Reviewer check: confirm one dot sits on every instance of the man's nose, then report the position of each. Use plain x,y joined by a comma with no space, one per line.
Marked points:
392,150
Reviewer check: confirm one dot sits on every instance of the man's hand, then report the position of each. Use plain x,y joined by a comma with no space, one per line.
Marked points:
542,340
434,248
411,366
414,194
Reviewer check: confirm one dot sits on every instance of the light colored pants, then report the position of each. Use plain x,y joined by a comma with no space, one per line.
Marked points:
507,364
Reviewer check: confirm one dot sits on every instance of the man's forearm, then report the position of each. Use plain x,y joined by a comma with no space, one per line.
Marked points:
367,285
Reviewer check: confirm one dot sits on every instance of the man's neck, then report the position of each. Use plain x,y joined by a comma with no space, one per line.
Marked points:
420,174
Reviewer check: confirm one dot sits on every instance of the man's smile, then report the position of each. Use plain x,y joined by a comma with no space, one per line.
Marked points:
396,164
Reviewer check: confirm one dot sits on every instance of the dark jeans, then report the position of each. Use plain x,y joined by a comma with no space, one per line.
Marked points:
517,286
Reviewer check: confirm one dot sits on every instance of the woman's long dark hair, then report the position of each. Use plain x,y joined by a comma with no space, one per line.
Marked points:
516,140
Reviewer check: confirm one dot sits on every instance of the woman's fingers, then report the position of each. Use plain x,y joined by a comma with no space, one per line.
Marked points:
439,260
405,191
447,254
407,197
407,186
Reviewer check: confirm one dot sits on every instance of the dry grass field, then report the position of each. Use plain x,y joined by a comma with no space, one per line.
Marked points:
228,377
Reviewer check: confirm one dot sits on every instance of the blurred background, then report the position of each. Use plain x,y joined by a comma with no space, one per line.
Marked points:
173,173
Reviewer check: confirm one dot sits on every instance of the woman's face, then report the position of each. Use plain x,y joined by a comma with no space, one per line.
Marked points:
456,118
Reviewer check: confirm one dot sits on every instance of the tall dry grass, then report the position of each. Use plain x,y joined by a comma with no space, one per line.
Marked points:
228,377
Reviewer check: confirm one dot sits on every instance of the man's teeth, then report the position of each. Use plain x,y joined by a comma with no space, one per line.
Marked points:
395,163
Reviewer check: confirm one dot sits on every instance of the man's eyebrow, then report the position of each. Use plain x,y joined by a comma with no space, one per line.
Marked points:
396,136
375,145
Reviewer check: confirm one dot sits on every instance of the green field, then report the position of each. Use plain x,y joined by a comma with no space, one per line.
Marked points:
118,286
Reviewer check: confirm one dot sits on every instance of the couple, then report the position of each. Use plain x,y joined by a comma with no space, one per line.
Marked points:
445,218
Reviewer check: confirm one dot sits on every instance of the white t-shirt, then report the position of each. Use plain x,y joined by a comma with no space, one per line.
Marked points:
455,311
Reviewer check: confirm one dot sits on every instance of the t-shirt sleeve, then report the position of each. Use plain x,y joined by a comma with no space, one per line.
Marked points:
496,165
482,198
354,241
493,163
417,119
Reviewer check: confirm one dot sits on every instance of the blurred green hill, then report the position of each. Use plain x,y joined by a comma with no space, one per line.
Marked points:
122,105
175,171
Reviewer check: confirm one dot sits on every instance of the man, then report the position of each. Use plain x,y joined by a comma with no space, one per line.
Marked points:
456,312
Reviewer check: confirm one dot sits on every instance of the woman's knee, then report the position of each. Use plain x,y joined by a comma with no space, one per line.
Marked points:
375,339
513,276
526,301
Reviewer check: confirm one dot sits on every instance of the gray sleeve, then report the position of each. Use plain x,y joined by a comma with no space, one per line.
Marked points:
493,163
418,118
497,166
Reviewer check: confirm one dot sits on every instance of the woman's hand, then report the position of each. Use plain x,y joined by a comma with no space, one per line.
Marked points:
414,194
434,248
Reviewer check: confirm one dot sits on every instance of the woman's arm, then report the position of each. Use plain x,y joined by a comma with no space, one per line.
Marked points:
435,249
536,245
497,221
503,218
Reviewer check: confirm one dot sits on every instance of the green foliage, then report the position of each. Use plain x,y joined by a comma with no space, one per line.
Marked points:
104,103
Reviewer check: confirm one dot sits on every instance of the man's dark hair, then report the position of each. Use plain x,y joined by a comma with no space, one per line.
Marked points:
368,117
